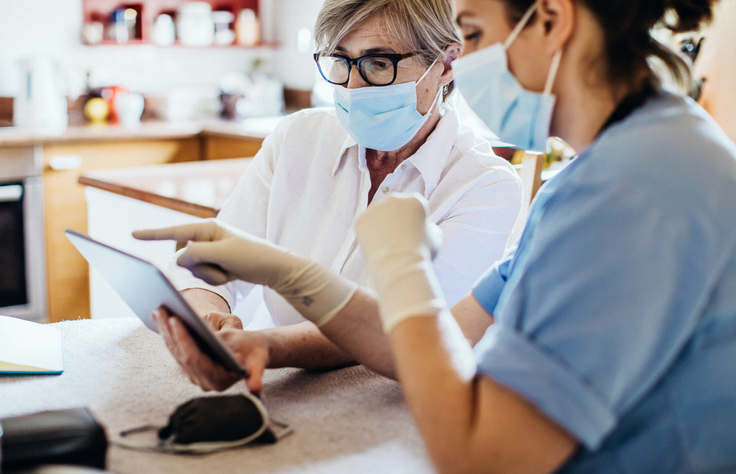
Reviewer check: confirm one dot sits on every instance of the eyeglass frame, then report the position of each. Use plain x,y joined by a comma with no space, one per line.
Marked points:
395,58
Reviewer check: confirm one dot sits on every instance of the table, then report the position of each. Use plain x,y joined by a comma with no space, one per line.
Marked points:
345,421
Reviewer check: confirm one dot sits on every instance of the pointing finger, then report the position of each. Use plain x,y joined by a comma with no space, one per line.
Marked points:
200,231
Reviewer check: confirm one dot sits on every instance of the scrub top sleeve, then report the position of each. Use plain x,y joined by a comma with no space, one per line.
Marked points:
487,289
605,290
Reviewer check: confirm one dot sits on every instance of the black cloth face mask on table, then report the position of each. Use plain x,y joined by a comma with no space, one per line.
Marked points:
208,424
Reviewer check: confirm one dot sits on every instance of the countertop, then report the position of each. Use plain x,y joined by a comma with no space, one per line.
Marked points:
197,188
344,421
257,128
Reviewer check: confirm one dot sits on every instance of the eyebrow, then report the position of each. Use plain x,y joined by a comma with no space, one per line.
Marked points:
459,17
368,51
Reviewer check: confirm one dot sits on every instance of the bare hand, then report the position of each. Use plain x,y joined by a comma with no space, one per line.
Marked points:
249,348
217,321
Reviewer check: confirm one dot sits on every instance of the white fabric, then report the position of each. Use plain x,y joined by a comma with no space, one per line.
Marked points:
308,182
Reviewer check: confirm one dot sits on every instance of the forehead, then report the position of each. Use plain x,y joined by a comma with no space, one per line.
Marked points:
488,13
373,35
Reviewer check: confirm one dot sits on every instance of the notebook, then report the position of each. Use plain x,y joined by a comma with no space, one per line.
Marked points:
27,347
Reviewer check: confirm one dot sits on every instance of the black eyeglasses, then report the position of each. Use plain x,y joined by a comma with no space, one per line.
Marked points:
375,69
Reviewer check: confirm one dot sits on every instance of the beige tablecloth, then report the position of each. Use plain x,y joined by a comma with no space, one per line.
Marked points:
344,421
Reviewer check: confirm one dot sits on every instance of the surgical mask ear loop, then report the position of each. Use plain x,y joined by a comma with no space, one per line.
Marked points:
427,71
555,61
429,112
519,26
552,72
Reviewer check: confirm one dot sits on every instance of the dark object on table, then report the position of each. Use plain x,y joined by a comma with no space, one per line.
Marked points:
70,436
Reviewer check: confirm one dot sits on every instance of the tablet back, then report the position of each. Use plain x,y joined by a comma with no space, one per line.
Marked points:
144,288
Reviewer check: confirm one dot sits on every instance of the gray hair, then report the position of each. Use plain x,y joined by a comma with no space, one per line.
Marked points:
426,27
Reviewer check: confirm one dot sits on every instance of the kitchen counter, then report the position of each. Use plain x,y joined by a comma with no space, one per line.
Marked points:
255,128
197,188
348,420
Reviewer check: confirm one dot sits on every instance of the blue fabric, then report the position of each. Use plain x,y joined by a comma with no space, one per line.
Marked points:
616,315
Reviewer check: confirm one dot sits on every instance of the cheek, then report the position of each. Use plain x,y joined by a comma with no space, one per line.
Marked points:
470,47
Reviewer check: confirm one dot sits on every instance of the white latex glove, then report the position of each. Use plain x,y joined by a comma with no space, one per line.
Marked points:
219,253
398,243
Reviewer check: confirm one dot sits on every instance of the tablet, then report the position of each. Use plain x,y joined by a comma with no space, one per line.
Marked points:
144,288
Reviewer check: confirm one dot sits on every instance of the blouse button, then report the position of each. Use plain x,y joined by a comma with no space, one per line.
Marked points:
384,190
403,167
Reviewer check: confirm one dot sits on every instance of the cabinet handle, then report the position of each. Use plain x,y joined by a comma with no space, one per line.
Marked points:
67,162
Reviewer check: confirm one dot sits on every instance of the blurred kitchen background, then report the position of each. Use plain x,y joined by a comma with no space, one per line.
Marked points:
179,55
121,114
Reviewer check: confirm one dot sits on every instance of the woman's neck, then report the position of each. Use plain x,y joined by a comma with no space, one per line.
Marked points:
585,95
581,110
383,163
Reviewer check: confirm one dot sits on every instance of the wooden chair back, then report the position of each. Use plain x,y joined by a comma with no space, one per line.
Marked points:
530,172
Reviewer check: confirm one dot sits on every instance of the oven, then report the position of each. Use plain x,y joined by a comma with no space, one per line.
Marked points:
22,242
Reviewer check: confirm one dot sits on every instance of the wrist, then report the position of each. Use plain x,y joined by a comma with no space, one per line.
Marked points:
316,292
408,287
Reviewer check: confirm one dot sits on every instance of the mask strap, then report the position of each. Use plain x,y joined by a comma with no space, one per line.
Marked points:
552,72
428,69
423,76
520,26
431,107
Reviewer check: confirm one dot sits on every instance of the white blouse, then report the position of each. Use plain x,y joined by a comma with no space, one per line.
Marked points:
309,181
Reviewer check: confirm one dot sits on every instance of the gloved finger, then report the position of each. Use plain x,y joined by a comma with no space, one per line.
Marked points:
204,253
212,274
201,231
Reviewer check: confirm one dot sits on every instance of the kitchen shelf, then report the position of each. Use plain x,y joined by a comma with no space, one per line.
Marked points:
148,11
177,44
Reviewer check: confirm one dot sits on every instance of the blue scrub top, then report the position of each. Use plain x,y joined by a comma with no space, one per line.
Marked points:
616,314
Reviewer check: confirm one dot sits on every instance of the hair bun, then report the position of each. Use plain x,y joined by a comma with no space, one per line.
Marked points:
688,14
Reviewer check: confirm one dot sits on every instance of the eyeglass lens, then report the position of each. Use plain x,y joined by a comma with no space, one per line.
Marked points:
378,71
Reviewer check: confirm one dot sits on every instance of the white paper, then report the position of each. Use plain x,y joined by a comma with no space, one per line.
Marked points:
36,347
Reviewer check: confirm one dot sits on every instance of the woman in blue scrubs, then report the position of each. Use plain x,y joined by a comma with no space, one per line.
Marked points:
606,342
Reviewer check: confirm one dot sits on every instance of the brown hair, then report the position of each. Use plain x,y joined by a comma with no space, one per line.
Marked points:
629,45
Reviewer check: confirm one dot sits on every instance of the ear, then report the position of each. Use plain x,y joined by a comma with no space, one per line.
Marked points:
557,18
453,52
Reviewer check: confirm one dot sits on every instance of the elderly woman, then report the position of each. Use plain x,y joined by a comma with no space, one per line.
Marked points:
391,130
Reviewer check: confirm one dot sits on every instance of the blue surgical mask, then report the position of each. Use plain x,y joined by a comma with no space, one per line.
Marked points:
518,116
381,118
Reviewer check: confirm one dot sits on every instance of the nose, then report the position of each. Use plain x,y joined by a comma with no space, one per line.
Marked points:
355,81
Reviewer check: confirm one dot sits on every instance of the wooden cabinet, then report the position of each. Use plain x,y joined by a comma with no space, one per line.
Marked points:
65,207
218,147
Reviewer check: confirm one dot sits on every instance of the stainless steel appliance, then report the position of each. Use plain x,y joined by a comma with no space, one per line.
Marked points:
22,242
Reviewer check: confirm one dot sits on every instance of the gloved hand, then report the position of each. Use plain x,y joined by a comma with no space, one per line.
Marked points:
399,243
219,253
